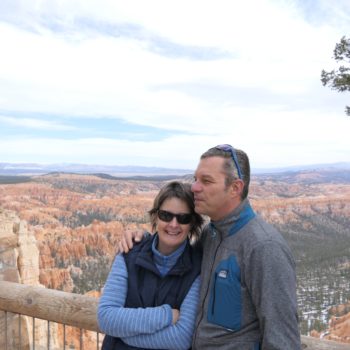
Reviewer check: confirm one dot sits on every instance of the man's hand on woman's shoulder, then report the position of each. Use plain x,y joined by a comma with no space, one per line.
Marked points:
128,238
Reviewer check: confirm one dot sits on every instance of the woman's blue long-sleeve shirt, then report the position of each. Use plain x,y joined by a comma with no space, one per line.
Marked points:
150,327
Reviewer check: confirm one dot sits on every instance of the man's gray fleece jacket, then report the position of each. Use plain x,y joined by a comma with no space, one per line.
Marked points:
248,294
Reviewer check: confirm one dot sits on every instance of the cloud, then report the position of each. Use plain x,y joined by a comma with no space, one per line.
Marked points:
190,73
32,123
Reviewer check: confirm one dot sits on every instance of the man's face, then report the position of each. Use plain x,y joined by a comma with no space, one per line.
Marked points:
211,195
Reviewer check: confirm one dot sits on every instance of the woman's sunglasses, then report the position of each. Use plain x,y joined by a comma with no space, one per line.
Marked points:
167,216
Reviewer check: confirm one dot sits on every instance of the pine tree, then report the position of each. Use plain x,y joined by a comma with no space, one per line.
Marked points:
339,79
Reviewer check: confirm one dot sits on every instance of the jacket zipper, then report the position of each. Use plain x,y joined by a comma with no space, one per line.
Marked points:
208,285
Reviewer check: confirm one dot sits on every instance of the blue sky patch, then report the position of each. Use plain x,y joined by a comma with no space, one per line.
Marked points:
44,125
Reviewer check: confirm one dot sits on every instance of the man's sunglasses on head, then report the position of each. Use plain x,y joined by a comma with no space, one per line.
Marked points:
229,148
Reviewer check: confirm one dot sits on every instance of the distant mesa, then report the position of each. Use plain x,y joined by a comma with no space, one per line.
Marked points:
131,171
114,170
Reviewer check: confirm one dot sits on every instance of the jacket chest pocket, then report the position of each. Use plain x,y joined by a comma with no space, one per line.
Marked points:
225,307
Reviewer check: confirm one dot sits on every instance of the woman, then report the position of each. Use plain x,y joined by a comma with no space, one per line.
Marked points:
151,294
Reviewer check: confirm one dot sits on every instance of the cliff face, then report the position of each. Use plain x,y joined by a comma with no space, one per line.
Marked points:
339,329
339,324
19,262
283,203
19,254
77,221
9,247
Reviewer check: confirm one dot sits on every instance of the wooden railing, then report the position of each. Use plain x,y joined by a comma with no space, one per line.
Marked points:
60,311
80,311
48,304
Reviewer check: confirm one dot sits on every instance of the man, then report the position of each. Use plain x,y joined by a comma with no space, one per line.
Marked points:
248,291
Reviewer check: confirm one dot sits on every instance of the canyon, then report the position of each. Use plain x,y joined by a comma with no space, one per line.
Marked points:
77,220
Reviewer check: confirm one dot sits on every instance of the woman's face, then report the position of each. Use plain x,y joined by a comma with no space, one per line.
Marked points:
172,234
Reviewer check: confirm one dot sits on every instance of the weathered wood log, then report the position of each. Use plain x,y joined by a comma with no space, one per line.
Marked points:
80,311
68,308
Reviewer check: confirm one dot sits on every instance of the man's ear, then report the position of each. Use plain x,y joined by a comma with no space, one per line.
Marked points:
237,187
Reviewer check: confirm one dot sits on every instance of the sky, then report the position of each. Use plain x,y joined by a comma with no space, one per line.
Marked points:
158,82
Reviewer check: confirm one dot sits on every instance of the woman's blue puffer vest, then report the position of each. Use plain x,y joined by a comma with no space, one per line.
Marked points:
147,288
